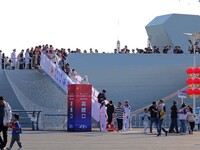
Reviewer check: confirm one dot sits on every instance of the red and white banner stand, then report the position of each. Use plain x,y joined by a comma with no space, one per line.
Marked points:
79,107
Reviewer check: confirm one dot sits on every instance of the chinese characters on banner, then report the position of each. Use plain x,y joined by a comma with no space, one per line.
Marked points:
57,74
79,107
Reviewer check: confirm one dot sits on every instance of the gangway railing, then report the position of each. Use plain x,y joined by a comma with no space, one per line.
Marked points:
95,104
63,80
47,116
138,123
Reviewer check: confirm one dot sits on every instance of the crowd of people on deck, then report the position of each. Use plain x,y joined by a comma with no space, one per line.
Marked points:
153,116
148,50
30,58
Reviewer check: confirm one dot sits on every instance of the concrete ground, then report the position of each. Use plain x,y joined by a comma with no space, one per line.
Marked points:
95,140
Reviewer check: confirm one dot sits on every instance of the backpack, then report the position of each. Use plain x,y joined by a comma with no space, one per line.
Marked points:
162,114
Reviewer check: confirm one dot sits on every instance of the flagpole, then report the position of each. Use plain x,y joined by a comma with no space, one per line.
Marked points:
194,65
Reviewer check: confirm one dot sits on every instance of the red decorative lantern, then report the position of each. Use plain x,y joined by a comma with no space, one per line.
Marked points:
190,81
196,81
196,92
190,71
196,71
190,92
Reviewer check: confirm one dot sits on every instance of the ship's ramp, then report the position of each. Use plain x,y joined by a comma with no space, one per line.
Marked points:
34,90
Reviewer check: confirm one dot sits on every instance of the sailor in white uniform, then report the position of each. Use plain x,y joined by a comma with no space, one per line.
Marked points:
13,59
126,120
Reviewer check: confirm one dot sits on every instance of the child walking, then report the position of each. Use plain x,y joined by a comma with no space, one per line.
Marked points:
16,131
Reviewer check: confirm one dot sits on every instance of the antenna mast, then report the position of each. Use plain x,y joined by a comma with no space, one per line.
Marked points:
118,42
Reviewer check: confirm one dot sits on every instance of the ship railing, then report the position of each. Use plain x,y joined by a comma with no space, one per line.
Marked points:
95,104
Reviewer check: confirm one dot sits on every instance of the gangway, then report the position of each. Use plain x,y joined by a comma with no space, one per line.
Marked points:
62,79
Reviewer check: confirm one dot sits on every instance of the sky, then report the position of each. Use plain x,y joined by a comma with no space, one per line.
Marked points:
84,24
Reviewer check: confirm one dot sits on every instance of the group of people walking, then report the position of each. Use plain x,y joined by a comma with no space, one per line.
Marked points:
156,113
186,116
108,111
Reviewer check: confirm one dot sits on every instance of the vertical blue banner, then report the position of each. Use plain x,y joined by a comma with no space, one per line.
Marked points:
79,107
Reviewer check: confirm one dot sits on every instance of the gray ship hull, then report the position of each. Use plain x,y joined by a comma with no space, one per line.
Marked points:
141,78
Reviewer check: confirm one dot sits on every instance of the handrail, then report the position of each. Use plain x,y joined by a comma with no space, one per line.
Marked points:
165,99
55,114
94,98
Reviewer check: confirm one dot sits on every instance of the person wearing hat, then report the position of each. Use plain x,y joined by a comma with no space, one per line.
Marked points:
127,110
5,119
102,96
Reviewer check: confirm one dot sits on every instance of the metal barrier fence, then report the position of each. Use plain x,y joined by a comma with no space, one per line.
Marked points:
136,121
30,118
63,116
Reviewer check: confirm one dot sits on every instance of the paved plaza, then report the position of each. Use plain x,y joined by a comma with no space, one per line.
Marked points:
95,140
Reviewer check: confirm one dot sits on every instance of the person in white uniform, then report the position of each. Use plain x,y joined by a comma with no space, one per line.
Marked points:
127,110
13,59
103,116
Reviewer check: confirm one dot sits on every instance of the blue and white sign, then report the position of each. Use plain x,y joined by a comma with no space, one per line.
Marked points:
57,74
181,94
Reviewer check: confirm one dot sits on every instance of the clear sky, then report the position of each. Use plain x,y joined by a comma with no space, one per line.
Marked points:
82,24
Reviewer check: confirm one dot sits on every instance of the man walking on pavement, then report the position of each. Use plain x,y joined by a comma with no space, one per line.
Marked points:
5,119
